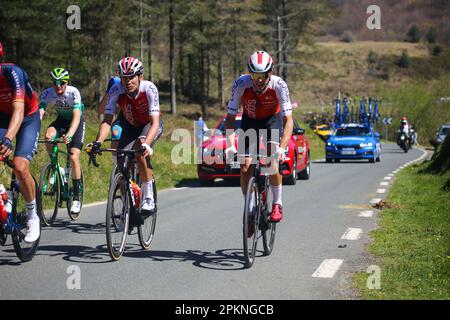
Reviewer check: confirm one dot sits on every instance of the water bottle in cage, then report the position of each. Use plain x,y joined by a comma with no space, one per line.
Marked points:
5,204
63,174
136,193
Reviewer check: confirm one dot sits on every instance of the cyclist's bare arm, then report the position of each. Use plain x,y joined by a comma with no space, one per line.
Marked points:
153,131
105,128
102,105
75,122
229,125
16,119
288,123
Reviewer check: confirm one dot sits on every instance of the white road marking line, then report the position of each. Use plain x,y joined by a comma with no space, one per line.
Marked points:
175,189
390,175
352,234
387,178
381,190
366,214
94,204
328,268
384,183
375,201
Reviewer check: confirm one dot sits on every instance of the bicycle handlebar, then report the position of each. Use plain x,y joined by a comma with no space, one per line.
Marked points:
8,162
54,142
93,159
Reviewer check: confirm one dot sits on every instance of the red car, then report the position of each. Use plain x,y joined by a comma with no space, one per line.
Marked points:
213,164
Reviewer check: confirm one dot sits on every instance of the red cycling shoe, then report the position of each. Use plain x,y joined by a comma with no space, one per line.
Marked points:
277,213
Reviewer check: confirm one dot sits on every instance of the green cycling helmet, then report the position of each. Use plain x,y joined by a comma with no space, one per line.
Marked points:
60,75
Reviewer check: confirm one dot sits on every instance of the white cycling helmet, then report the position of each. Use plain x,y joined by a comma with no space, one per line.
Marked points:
260,62
130,66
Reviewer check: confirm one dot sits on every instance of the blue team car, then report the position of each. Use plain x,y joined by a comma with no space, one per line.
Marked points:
353,141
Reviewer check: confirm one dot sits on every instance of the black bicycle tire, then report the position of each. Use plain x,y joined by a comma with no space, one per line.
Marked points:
110,205
145,243
250,255
45,221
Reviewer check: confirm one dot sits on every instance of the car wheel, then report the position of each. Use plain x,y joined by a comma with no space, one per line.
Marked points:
329,160
292,179
337,160
305,174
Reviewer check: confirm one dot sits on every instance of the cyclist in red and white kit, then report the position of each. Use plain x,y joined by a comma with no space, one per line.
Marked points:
266,105
138,100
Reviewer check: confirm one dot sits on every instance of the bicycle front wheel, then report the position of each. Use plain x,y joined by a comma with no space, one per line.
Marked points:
147,229
117,216
268,228
25,251
250,221
49,190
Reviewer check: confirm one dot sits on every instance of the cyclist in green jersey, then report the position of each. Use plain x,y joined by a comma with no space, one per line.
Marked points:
67,102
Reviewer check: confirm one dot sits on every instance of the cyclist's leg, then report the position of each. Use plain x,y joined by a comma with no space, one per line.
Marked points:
116,133
247,150
146,174
75,149
26,146
52,133
127,139
26,139
274,134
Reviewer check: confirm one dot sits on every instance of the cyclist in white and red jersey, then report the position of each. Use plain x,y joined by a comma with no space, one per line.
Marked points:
266,105
138,101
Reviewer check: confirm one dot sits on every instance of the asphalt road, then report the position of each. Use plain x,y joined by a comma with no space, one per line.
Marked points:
197,250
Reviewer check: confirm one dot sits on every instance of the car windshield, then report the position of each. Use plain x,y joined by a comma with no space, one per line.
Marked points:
445,131
357,131
221,128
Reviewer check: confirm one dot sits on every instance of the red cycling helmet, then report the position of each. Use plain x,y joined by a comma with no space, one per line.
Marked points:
1,50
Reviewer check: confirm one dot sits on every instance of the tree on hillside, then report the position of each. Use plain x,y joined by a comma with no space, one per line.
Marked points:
404,61
431,35
288,22
413,34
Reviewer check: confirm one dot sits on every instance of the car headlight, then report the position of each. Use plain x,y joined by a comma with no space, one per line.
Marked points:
330,144
366,145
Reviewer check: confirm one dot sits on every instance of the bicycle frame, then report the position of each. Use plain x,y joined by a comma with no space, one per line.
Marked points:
10,225
64,192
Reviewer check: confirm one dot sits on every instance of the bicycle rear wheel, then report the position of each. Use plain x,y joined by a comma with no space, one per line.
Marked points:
250,221
147,229
49,189
117,216
268,229
25,251
72,215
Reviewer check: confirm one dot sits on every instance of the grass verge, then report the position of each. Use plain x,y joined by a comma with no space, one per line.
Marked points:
412,245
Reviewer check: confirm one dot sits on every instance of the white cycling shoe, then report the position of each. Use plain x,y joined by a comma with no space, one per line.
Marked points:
33,229
148,204
76,207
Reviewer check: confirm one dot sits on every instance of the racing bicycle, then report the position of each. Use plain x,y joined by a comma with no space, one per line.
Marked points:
123,209
56,185
256,218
